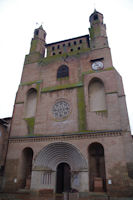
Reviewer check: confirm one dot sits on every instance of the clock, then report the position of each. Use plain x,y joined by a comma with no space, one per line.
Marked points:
97,65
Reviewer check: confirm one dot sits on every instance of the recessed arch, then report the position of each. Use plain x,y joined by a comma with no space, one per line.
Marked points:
96,93
26,167
97,167
31,100
53,154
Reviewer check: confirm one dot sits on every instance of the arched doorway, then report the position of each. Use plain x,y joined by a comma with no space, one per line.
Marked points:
63,178
59,156
97,168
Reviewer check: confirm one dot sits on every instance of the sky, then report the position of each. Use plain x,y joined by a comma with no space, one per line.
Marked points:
61,20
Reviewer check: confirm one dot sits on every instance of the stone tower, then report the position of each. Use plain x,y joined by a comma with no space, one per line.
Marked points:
70,129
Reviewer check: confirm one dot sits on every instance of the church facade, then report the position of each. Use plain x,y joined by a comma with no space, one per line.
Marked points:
70,130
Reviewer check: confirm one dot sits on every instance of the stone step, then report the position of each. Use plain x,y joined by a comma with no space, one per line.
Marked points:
59,197
25,195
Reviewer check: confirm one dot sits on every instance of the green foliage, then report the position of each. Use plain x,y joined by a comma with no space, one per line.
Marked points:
30,124
61,87
81,109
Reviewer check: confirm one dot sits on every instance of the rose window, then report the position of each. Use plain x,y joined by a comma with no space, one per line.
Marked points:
61,110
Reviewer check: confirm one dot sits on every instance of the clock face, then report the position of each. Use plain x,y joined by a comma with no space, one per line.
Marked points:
97,65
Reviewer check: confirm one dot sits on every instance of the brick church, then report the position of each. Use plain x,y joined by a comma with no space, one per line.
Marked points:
70,130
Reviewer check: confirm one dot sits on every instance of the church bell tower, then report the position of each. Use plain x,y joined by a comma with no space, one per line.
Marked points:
70,131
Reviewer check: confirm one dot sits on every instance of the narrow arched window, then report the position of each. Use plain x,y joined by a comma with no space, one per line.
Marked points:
63,71
97,101
31,103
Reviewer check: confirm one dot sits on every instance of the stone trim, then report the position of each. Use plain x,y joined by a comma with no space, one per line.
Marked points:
81,135
20,102
30,83
61,87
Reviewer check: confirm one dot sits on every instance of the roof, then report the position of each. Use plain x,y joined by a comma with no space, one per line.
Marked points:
75,38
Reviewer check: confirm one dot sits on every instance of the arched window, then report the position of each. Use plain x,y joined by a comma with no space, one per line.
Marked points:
63,71
97,100
31,103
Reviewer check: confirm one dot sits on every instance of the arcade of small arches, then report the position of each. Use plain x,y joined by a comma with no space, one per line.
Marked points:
61,167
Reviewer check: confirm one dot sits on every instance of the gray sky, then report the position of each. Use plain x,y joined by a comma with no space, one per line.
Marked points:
61,20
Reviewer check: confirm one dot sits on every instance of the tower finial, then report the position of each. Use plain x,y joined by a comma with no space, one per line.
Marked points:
94,6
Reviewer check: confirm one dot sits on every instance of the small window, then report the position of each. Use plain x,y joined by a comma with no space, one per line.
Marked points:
71,50
63,71
64,45
75,43
36,32
78,48
53,48
69,44
96,17
60,52
53,53
58,46
80,41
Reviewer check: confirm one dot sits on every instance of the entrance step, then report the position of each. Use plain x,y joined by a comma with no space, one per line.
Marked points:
59,196
24,196
94,196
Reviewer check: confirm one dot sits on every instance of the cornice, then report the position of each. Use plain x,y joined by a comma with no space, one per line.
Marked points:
70,136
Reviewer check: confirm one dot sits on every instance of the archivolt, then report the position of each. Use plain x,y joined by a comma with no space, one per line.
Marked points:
53,154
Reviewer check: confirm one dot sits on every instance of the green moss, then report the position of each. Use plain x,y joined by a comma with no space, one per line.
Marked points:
91,30
81,109
30,83
63,78
114,92
61,87
38,87
96,71
33,58
33,45
20,102
75,53
30,124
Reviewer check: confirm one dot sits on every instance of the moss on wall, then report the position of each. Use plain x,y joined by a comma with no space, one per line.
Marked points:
61,87
32,58
20,102
75,53
31,82
91,30
30,124
33,45
63,78
81,109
